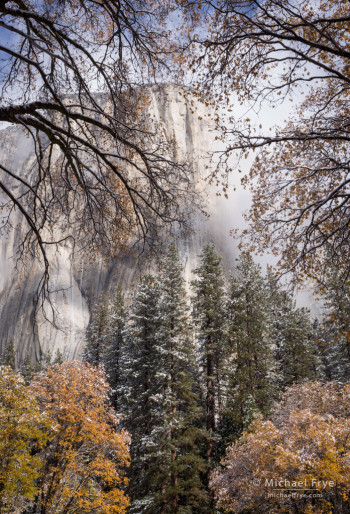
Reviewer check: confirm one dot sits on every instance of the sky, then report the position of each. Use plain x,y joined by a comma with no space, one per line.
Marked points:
6,37
230,211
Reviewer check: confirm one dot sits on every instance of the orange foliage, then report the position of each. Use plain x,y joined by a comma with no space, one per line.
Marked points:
86,458
303,450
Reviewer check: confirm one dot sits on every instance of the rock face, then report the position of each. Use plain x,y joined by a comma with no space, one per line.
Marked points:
75,283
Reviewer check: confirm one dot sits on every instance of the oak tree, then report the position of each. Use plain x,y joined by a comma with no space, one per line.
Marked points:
23,434
304,445
266,53
86,457
72,76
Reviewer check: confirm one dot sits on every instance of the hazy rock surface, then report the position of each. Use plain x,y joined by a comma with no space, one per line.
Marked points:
77,283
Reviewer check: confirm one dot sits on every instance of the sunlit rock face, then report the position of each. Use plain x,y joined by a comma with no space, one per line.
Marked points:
75,283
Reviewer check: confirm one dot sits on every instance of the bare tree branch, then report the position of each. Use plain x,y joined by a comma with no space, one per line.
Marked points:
73,76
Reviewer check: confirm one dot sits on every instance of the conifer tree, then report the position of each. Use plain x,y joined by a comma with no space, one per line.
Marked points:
251,364
293,337
105,339
97,332
297,357
334,333
163,410
52,361
47,361
58,358
139,395
8,358
27,370
114,345
174,453
209,319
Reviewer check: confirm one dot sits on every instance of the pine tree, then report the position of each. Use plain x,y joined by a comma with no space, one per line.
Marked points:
297,357
47,361
334,333
27,370
162,404
58,359
139,395
97,332
8,358
106,338
173,453
114,345
251,364
209,319
293,337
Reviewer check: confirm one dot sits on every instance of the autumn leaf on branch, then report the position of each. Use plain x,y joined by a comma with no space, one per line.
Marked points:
23,434
85,461
305,440
267,53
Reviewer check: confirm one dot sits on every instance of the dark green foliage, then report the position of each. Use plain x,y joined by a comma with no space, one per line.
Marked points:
114,346
334,334
180,465
297,357
209,320
141,409
250,388
97,332
48,361
162,404
293,338
28,369
58,359
105,340
8,358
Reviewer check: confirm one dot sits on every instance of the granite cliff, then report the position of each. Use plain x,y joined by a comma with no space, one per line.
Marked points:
76,283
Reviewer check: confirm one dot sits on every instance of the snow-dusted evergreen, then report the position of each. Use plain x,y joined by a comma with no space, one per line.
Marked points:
97,332
251,370
106,337
293,337
180,464
210,323
8,358
142,410
115,346
163,405
334,333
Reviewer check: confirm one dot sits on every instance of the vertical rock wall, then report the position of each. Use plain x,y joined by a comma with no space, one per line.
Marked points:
76,284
